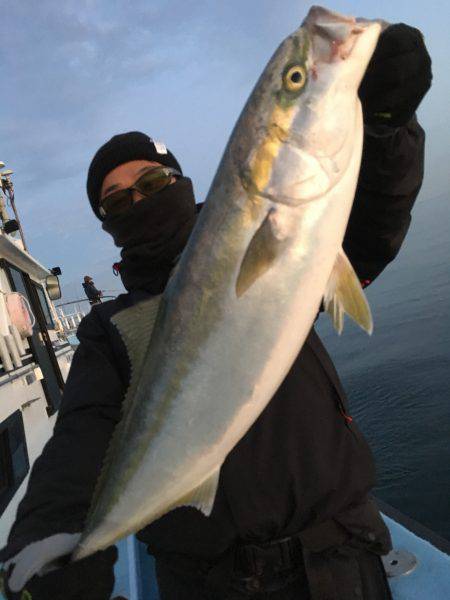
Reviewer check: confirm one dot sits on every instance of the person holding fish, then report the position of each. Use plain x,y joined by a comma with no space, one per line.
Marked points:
236,461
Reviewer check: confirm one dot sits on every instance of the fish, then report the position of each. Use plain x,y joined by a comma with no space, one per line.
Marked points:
208,355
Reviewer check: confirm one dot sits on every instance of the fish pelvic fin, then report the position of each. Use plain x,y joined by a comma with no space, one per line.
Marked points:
203,496
267,244
344,294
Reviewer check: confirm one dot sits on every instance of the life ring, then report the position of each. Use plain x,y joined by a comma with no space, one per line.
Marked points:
20,313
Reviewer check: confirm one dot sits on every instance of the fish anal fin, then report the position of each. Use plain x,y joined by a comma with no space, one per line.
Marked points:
344,294
201,497
267,244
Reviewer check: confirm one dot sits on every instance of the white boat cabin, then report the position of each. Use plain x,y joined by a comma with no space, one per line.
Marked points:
35,358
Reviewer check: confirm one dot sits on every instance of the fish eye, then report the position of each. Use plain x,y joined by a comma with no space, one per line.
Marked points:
294,78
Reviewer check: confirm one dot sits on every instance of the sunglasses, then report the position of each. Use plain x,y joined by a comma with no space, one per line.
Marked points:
152,181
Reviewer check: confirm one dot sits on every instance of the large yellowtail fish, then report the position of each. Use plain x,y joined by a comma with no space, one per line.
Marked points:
266,250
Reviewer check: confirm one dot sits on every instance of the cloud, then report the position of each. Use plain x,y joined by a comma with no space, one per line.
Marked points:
70,64
76,72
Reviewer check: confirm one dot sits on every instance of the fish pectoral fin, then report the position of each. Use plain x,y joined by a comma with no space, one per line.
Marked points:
267,244
202,497
344,294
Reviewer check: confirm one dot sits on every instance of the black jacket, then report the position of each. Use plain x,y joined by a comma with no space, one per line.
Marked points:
301,463
91,292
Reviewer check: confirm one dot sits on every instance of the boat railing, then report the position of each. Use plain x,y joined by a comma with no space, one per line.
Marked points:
71,313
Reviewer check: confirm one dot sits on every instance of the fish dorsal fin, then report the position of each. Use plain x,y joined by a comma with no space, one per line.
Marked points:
267,244
201,497
135,325
344,294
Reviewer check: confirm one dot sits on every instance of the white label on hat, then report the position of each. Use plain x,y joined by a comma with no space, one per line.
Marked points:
160,148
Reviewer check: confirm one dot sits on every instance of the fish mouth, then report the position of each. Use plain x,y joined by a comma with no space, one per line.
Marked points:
335,35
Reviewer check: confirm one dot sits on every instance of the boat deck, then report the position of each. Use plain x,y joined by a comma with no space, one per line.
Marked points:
135,576
431,578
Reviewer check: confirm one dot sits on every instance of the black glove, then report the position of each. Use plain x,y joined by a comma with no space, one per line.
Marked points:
397,78
91,578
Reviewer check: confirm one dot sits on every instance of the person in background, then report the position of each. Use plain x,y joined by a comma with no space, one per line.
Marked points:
293,517
94,295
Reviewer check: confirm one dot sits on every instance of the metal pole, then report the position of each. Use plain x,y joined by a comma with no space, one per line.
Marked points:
133,569
10,189
3,212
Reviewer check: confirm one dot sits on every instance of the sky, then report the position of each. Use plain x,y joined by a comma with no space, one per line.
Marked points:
77,72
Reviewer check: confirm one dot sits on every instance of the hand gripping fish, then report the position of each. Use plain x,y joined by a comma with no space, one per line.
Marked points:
265,251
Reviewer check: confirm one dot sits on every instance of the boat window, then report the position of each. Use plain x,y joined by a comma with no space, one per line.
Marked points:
3,461
18,451
16,277
40,342
45,308
14,463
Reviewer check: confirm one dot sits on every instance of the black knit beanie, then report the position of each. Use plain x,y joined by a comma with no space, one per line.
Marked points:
120,149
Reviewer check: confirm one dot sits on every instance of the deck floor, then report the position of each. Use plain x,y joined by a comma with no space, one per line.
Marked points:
429,581
135,576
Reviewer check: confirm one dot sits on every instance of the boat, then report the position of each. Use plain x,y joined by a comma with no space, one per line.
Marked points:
35,357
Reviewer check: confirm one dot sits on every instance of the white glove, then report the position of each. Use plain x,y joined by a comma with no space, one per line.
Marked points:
39,558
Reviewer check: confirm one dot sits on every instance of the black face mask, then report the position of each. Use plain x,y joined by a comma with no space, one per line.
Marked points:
152,234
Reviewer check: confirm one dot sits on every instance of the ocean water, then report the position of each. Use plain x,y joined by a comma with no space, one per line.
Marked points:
398,380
